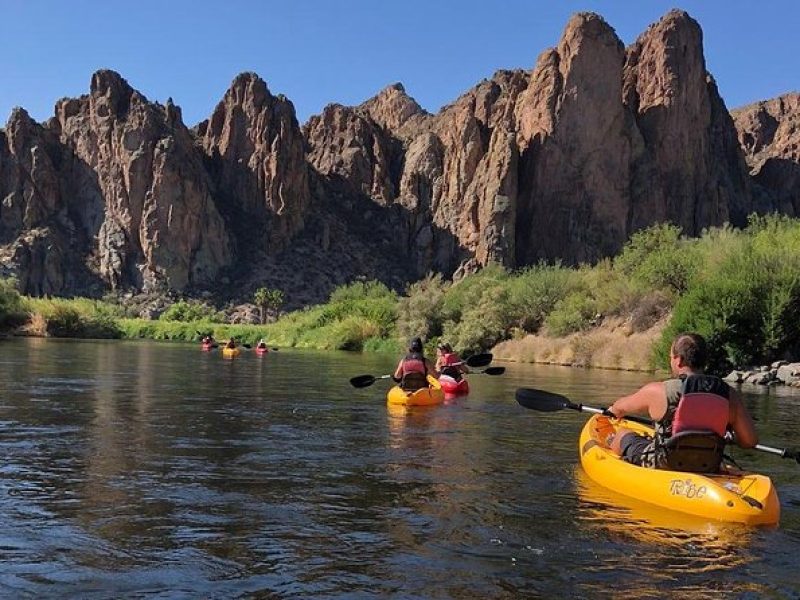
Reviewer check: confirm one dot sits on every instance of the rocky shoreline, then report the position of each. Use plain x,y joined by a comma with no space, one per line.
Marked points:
781,372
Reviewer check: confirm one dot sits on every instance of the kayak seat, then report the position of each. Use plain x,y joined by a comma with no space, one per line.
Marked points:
452,372
695,451
411,382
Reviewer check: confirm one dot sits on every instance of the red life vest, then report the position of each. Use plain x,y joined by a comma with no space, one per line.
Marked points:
450,359
414,363
703,406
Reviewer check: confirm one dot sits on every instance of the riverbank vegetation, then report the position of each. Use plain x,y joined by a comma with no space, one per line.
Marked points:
739,288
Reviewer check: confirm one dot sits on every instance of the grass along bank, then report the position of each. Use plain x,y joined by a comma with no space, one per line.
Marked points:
738,288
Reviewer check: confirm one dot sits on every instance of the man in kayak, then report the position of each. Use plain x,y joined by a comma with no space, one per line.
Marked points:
691,400
231,343
262,345
412,370
449,363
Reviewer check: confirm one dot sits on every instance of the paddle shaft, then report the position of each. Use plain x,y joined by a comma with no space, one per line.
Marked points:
607,413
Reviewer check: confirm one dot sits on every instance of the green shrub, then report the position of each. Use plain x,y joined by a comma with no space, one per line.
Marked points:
749,307
420,310
483,324
658,258
12,310
467,293
573,313
534,292
188,311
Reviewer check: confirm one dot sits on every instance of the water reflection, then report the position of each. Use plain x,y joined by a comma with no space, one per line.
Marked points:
137,469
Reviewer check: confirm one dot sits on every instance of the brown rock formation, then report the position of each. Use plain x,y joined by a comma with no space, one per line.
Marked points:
257,160
562,162
565,162
159,225
350,149
616,140
769,133
40,243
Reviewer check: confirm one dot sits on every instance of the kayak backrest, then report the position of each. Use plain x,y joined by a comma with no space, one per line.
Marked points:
695,451
412,382
452,372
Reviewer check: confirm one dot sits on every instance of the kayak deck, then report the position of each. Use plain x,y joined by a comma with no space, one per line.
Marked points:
230,352
430,395
733,496
452,388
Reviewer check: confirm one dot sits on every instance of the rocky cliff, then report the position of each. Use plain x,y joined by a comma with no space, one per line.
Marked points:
769,133
563,161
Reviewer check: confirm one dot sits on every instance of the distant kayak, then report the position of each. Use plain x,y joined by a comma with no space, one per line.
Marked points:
732,496
230,352
261,351
433,394
452,387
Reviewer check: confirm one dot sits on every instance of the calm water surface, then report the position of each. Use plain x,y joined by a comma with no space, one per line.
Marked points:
142,469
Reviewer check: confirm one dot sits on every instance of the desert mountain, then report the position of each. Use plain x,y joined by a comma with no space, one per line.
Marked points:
563,161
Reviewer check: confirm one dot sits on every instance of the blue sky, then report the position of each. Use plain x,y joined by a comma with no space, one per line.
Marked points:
317,52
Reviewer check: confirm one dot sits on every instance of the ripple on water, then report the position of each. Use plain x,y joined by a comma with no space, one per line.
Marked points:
156,470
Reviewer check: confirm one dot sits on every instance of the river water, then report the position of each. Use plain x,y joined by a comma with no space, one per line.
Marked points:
155,470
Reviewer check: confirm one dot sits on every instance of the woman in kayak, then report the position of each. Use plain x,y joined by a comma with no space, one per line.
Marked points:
691,401
413,369
449,363
262,345
231,343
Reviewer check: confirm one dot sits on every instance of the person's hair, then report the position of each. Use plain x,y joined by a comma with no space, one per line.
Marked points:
415,345
691,349
445,347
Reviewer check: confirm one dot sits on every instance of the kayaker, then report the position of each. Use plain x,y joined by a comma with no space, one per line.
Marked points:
710,405
262,345
231,343
449,363
412,370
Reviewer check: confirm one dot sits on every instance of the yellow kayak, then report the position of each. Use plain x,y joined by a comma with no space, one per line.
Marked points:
432,394
733,496
230,352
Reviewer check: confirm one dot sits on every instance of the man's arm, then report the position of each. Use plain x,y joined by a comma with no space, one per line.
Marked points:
650,400
742,423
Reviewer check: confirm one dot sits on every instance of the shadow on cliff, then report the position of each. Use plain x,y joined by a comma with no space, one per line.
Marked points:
346,236
779,180
56,254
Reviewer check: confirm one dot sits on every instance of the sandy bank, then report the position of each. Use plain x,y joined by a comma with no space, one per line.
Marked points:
611,345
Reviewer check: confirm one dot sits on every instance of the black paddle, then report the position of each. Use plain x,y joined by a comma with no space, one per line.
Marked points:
363,381
491,371
479,360
551,402
476,360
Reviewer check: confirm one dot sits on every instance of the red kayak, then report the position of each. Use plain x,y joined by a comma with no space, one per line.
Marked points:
452,387
261,351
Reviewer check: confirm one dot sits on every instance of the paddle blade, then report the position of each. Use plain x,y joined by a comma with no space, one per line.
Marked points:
494,371
362,381
479,360
541,400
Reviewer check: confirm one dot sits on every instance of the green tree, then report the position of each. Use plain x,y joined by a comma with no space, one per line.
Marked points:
267,300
